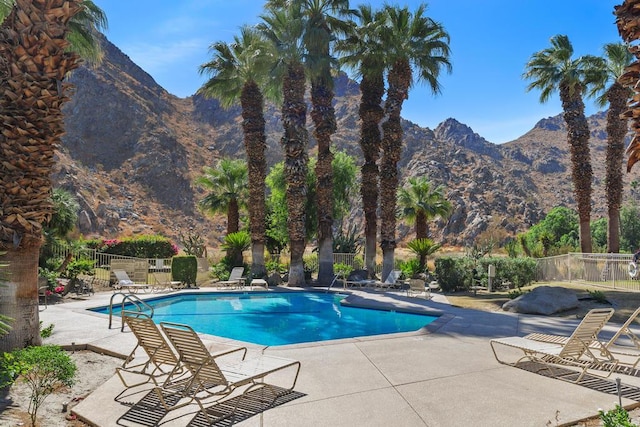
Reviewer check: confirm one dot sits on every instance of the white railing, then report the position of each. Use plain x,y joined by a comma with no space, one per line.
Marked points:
609,270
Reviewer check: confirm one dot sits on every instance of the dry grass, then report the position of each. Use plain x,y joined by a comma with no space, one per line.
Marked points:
624,302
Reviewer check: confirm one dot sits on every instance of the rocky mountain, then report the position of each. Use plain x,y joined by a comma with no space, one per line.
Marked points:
132,151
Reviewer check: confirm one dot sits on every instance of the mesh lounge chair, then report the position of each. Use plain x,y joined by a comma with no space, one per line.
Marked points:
124,282
629,354
235,279
162,281
159,358
391,281
581,350
417,287
213,376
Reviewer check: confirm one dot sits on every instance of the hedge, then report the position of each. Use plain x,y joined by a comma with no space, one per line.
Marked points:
184,269
145,246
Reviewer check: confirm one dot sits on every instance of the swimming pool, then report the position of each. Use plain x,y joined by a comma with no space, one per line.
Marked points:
278,318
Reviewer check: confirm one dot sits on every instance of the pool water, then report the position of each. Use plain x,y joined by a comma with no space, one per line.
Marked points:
278,318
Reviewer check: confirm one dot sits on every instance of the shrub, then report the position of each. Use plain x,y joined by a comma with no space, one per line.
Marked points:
453,273
598,296
184,269
456,273
47,331
342,270
44,369
145,246
410,268
617,417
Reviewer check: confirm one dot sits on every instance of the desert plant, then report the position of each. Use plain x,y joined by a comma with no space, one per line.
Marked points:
45,369
193,243
347,241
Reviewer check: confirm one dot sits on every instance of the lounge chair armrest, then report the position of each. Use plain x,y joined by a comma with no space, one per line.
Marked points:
226,351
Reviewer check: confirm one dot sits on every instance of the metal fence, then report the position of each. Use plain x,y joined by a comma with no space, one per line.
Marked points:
608,270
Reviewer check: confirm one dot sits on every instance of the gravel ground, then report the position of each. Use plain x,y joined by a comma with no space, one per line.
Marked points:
93,369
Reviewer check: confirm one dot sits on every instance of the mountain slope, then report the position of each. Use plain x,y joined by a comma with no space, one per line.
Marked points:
132,150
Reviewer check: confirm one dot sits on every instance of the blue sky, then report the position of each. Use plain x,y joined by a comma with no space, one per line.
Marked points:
491,41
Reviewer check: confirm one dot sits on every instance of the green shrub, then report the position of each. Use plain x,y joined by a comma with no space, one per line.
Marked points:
235,244
515,293
456,273
453,273
598,296
46,331
184,269
145,246
410,268
342,270
617,417
44,369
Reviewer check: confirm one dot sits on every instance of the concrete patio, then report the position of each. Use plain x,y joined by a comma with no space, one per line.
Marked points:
444,376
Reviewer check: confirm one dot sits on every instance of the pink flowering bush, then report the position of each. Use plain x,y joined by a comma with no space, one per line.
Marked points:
145,246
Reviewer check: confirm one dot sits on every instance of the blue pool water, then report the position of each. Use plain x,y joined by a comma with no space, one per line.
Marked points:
278,318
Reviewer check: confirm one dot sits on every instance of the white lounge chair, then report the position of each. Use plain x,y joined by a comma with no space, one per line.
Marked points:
124,282
235,279
417,287
391,281
581,350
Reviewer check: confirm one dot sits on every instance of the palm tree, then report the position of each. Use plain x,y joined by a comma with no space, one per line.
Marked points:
34,47
284,27
420,202
323,23
413,41
364,51
238,72
227,184
613,93
423,247
554,69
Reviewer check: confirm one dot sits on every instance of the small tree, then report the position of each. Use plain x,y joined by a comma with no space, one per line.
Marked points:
423,248
235,244
44,369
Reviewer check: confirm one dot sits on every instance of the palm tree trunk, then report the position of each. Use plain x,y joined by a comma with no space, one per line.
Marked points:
581,172
616,132
323,116
255,143
19,298
294,142
32,49
399,79
233,216
371,114
421,225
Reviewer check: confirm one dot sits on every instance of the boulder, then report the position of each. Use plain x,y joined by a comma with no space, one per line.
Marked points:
543,300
